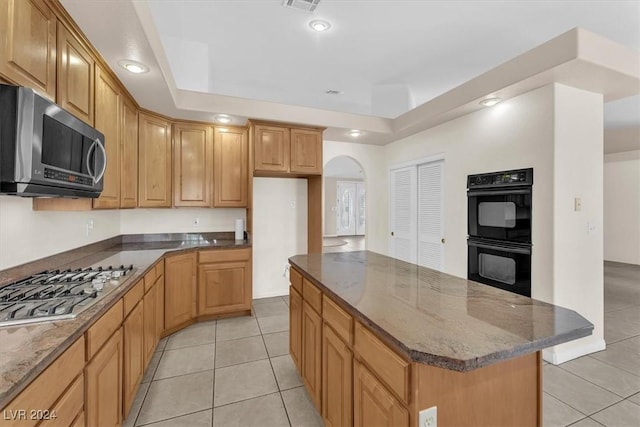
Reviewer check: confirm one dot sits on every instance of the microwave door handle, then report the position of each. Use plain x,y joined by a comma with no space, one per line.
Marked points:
104,165
89,152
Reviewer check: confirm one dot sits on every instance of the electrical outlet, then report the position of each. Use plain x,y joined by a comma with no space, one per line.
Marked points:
292,204
428,417
577,204
286,270
89,227
196,222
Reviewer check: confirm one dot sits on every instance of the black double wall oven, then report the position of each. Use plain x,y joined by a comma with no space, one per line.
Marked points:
499,228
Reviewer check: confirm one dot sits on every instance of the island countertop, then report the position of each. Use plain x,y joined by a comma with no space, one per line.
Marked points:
435,318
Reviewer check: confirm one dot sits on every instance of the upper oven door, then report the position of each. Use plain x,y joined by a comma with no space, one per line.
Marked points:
500,214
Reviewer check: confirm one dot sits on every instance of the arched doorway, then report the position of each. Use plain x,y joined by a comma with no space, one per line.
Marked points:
344,214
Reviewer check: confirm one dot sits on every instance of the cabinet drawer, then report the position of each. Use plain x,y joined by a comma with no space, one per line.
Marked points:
338,319
296,280
133,296
224,255
100,331
150,277
159,269
386,364
312,295
49,385
69,406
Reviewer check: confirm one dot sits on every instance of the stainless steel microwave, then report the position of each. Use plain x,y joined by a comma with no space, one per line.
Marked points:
45,150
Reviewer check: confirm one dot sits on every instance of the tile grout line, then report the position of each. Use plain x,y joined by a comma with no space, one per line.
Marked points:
274,374
597,385
213,389
171,418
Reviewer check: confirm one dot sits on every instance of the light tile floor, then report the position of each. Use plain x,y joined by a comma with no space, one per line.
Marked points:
602,388
230,372
234,372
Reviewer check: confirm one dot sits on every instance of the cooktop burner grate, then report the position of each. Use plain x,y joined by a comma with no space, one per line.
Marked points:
57,295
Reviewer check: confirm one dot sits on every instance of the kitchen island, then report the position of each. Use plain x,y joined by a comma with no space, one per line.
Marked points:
378,340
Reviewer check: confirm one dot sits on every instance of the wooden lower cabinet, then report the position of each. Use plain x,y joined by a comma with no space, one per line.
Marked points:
312,353
159,286
134,360
103,382
295,327
337,380
47,391
373,404
150,336
179,289
223,288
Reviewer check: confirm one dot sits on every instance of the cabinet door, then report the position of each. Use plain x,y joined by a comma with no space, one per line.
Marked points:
159,306
223,288
179,289
312,353
75,76
230,158
154,163
107,119
134,362
28,45
192,165
150,335
271,148
306,151
373,404
337,380
129,155
103,374
295,327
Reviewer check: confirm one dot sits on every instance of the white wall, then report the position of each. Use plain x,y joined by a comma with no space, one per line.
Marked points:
26,235
517,133
622,207
578,281
279,231
178,220
372,162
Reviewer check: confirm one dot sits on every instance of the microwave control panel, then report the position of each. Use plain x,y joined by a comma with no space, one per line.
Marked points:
66,177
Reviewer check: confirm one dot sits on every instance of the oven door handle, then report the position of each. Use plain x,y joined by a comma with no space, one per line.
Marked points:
498,247
473,193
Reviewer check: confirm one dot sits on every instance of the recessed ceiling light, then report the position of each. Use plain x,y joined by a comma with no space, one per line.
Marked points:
223,118
319,25
354,133
133,66
490,102
333,92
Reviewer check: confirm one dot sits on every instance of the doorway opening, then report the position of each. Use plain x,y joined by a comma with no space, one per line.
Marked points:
344,214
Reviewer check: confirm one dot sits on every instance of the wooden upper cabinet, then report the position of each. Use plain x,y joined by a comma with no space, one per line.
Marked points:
129,155
107,121
154,173
28,45
75,76
230,156
306,151
192,164
271,148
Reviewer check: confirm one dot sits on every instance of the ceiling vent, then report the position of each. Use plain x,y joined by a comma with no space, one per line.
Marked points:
303,5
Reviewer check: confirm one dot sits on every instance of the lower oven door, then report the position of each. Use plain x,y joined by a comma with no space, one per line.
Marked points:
501,265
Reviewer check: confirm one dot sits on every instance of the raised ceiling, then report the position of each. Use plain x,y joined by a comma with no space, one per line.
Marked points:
386,57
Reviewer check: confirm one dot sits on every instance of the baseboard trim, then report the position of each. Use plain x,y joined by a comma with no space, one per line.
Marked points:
555,356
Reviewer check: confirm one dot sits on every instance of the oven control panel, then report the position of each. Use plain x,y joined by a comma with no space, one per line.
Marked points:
501,179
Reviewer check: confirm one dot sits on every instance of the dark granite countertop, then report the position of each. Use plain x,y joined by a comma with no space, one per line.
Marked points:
435,318
26,350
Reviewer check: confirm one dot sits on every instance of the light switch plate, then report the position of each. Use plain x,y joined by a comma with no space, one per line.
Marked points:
428,417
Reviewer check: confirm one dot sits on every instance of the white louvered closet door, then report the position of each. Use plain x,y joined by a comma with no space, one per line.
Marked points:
430,215
403,201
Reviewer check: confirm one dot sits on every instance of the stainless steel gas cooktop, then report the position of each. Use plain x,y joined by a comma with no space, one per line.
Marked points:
57,295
